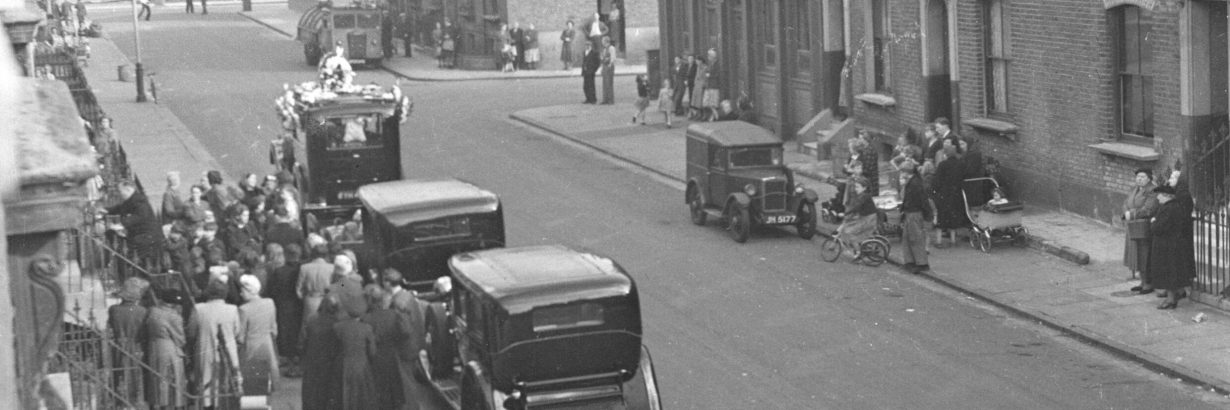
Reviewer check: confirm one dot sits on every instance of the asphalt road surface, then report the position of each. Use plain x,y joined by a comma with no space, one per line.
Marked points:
763,325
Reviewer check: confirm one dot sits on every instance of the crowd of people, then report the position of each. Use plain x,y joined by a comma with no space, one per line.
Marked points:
270,300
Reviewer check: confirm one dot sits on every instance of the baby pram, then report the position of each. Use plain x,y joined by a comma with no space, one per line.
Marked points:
991,222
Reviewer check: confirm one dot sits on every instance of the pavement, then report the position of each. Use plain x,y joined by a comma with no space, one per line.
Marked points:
1086,297
421,67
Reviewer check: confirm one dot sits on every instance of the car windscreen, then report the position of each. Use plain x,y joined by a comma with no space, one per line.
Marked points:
755,157
457,226
551,318
343,21
369,21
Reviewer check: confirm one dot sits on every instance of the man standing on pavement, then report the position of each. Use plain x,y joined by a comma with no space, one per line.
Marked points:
589,66
608,71
914,213
386,36
518,38
407,33
595,30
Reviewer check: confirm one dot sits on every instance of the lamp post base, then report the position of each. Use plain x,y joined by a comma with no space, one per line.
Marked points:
140,83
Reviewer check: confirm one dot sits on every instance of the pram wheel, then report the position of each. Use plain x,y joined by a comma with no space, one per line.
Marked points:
873,252
830,249
981,240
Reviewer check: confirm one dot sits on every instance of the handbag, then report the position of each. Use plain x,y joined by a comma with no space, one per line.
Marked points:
1138,229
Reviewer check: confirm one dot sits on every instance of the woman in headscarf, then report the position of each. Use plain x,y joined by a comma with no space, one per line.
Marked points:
322,386
211,333
258,328
164,327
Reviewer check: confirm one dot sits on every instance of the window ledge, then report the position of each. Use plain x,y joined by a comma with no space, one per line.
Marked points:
1000,128
877,99
1130,151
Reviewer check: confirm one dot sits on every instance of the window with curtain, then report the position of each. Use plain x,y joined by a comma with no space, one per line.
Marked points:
995,35
1135,66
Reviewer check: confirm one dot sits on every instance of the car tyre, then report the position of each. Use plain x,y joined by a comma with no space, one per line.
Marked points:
696,207
439,344
738,223
806,225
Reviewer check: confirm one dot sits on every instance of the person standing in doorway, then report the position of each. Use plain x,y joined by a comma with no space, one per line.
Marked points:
590,63
565,50
608,71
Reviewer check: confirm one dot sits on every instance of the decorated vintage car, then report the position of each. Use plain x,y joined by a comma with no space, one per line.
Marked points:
735,173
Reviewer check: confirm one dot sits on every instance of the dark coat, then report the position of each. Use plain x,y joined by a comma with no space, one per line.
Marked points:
591,62
950,207
392,332
1171,255
322,386
144,231
237,239
284,233
357,348
281,288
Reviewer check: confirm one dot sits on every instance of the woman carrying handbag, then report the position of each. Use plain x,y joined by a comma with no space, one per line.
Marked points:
1140,205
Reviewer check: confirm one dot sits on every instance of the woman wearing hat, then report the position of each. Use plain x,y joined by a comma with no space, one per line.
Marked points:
258,328
1171,265
165,355
1138,207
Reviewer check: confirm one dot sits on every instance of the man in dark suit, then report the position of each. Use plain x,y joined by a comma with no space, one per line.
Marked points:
518,38
589,68
684,73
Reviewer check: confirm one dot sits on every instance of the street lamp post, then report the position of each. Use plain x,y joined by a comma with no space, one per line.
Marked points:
136,39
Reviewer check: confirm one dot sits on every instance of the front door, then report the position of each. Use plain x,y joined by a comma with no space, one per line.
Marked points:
796,65
765,63
936,75
734,51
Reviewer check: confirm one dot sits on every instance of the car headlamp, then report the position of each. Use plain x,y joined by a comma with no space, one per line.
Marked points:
798,188
750,189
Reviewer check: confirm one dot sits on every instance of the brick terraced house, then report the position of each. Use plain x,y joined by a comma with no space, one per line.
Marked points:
1070,96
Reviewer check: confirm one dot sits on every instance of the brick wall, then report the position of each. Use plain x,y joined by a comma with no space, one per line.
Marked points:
1062,97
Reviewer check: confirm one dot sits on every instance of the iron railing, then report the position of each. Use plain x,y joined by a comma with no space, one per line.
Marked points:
1209,180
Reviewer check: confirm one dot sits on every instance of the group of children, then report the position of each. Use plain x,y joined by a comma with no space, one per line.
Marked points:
666,99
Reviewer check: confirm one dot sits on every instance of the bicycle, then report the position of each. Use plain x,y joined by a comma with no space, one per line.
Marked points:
872,251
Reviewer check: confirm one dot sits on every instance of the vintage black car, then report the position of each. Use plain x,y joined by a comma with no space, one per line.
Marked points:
538,327
417,225
736,174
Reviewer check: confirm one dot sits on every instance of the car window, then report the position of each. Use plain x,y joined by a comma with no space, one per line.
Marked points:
755,157
359,131
369,20
547,319
343,21
718,159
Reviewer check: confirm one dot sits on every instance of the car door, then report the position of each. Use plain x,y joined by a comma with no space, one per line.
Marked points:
716,184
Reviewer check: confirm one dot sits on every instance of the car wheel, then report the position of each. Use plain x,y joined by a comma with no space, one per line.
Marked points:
873,252
806,225
738,223
697,208
830,249
439,344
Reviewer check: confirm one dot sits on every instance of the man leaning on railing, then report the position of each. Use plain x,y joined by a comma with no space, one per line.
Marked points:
138,224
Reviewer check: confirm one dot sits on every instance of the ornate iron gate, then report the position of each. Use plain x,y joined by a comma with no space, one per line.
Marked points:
1210,187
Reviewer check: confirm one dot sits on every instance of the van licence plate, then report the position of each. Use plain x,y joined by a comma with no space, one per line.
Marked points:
779,219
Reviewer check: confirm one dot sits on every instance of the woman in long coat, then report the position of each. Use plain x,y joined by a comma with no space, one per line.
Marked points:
1139,205
212,329
696,101
565,49
258,328
946,191
322,386
392,332
287,305
358,347
1171,262
165,354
